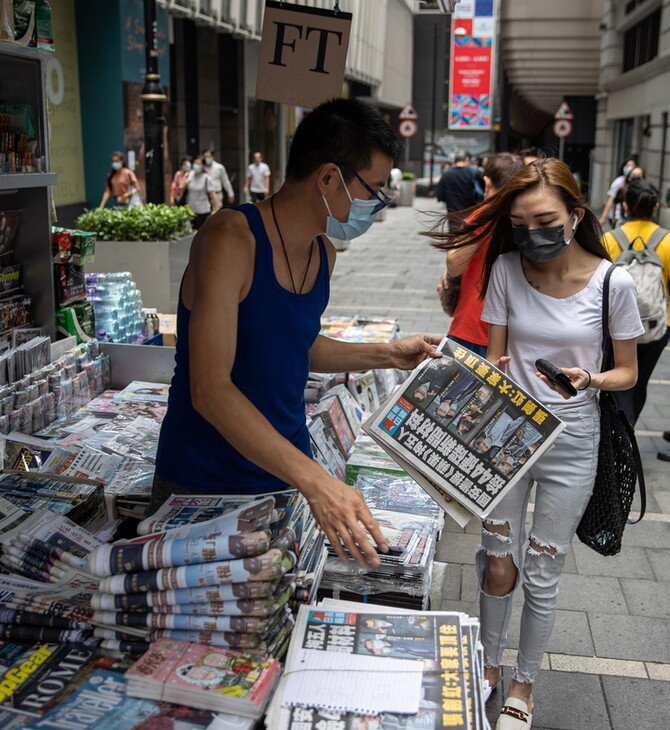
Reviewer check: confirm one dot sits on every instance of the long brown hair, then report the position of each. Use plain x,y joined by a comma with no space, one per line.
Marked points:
492,218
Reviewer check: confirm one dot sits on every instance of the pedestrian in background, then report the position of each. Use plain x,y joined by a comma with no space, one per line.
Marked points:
609,213
620,216
641,204
258,179
467,262
201,197
544,271
462,186
177,192
121,184
218,175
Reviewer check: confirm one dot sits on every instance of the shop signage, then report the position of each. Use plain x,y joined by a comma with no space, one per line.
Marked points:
471,70
302,54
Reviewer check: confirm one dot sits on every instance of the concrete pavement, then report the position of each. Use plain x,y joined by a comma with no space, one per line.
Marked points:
607,665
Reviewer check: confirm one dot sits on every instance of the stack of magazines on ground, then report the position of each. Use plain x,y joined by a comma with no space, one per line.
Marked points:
411,522
217,582
353,667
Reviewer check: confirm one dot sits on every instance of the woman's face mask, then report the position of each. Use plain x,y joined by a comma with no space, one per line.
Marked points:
628,169
361,216
544,244
197,167
116,165
186,166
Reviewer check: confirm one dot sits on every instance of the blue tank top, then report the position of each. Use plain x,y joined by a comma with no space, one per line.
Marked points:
275,332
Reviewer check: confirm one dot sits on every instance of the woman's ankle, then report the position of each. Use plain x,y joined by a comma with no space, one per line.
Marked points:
492,675
522,691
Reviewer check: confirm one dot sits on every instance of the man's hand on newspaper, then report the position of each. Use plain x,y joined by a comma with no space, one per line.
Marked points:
340,511
407,353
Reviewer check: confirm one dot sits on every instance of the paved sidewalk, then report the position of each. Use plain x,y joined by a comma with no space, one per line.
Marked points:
608,660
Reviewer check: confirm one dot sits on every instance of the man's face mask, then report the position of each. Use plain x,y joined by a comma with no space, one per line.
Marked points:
116,165
361,214
544,244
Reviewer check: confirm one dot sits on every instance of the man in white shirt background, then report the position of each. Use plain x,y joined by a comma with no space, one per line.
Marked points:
258,179
216,172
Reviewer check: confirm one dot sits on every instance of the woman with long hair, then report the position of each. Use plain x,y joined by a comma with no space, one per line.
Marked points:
121,184
641,204
543,276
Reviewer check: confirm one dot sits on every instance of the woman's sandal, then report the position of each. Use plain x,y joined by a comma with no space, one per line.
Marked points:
514,715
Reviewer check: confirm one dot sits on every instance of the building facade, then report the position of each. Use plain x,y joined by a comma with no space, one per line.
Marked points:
208,59
633,99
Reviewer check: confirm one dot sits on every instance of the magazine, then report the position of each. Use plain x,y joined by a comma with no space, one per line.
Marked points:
99,703
204,677
465,427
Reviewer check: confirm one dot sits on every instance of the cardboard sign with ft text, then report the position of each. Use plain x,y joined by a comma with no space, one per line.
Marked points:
302,54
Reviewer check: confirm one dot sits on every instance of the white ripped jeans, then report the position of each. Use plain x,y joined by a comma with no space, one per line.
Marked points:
564,476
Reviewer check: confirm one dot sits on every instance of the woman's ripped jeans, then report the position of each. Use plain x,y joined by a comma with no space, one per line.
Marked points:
564,477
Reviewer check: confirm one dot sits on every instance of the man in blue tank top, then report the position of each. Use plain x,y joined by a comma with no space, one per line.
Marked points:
248,320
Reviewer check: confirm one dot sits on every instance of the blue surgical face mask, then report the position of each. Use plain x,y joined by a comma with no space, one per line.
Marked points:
543,244
361,217
117,165
186,166
208,160
197,167
628,169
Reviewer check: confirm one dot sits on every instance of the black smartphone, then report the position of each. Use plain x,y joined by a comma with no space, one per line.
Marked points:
554,374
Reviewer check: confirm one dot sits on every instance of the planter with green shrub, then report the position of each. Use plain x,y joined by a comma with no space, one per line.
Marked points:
149,222
152,242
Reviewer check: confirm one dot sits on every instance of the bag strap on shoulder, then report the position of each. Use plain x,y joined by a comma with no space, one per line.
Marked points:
656,237
621,238
608,363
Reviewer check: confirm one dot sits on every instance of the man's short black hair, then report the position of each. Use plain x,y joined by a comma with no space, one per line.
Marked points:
345,131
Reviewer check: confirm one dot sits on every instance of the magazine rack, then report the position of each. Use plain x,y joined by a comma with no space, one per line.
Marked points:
23,82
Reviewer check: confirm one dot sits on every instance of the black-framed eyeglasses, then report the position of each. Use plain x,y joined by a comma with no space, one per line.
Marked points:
381,197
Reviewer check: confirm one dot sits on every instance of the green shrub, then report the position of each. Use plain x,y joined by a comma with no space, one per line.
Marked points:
408,176
149,222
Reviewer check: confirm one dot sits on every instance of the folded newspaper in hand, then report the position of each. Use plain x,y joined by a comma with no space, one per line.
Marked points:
463,429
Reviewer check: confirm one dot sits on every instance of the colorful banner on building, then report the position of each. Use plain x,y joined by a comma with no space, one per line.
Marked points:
473,27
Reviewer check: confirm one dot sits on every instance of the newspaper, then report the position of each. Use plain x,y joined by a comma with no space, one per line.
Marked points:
463,429
435,638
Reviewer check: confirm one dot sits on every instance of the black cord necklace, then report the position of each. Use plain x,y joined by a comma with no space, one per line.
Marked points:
288,263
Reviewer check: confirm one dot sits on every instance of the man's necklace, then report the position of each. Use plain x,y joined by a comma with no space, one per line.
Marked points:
288,263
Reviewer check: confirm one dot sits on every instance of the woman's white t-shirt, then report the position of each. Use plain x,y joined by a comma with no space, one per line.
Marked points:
567,332
199,189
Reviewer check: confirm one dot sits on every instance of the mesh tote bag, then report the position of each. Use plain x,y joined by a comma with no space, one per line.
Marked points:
619,465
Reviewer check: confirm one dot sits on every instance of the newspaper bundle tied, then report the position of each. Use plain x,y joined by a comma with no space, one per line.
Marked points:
464,430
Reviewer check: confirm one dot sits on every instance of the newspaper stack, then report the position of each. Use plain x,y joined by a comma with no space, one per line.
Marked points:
218,582
345,637
404,575
204,677
47,595
113,438
291,512
334,425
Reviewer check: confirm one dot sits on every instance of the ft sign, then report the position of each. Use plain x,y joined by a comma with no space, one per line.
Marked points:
302,54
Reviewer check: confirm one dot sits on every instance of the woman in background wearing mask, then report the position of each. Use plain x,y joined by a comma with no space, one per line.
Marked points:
121,182
543,277
199,188
610,210
177,193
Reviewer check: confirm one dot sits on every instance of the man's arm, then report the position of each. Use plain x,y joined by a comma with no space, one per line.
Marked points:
225,183
267,181
334,356
217,279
